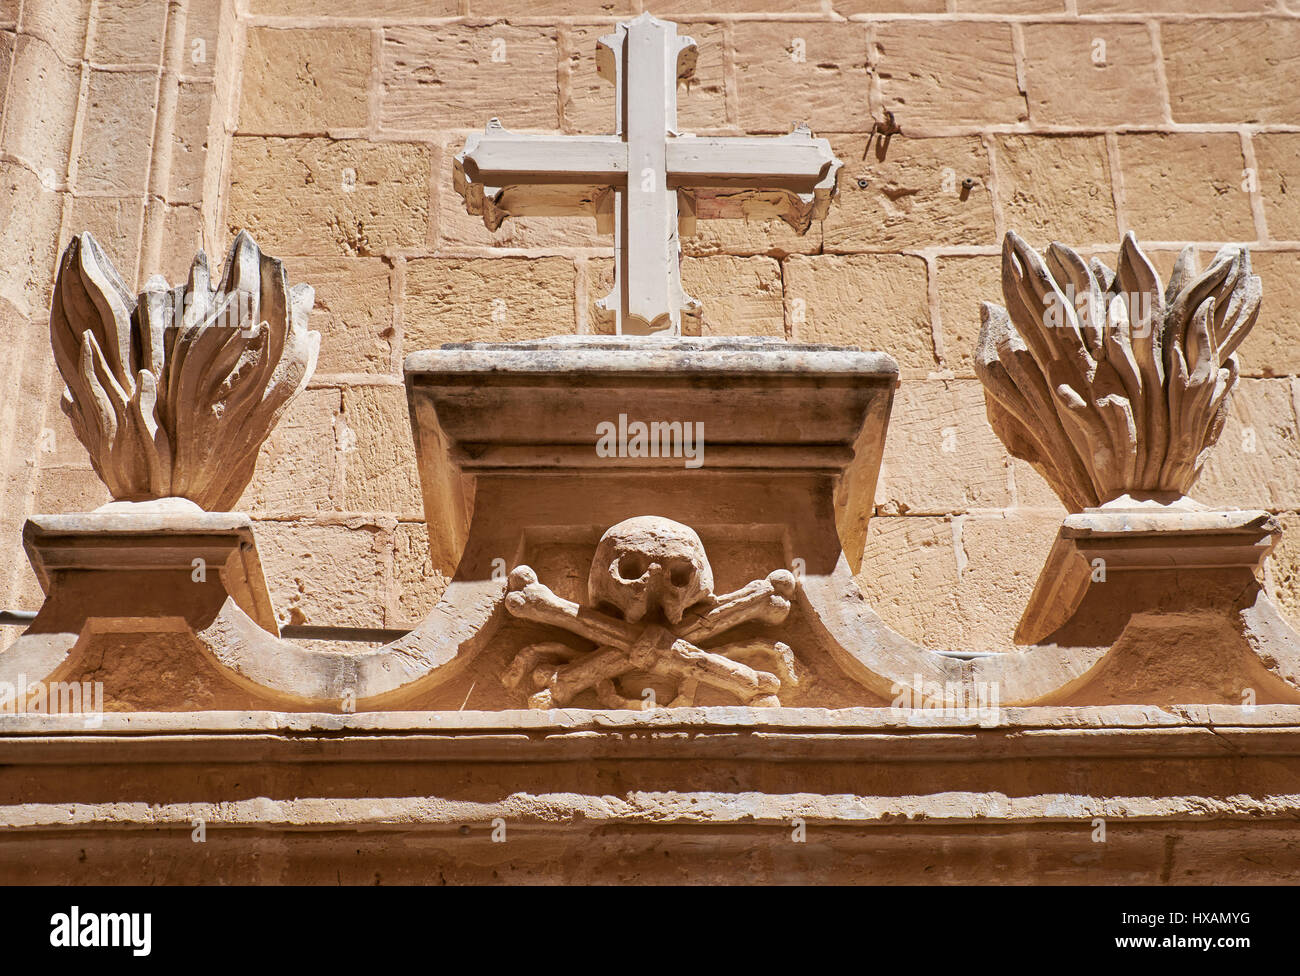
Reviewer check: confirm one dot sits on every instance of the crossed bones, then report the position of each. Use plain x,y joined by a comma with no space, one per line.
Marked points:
559,673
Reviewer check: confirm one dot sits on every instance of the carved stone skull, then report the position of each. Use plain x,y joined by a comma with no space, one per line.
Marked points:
647,563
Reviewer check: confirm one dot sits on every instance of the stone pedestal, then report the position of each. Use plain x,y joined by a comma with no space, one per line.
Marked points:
1111,562
132,556
128,589
510,433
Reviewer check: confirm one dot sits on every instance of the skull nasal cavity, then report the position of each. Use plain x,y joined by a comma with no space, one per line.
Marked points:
632,565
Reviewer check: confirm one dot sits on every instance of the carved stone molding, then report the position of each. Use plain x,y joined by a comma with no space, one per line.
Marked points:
174,391
508,440
653,576
1105,383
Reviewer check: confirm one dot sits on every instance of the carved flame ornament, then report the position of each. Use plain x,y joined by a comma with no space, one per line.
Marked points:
1108,385
173,392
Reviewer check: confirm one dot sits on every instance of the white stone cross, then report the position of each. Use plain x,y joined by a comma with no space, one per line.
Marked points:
647,179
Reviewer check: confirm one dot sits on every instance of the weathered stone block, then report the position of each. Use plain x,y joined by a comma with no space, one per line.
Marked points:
1032,490
457,77
875,301
115,222
598,274
737,235
964,282
1278,156
1000,556
41,108
1171,6
486,299
1282,569
62,23
69,489
1256,463
202,33
741,296
812,73
686,8
28,593
129,32
1232,70
910,192
190,143
1091,74
383,10
941,456
956,582
180,223
297,468
317,196
378,453
33,438
1185,187
30,215
304,81
418,585
116,132
552,8
847,8
1010,6
909,574
970,575
1056,188
326,574
947,74
56,444
353,312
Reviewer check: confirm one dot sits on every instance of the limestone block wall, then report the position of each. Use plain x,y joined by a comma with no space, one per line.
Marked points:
327,129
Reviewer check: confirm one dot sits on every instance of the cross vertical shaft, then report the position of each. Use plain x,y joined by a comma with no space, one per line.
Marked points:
649,277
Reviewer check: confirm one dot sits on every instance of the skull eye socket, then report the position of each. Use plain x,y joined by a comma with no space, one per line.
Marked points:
681,574
631,566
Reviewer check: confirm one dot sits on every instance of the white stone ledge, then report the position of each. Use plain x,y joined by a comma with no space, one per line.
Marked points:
571,774
682,731
568,811
1106,717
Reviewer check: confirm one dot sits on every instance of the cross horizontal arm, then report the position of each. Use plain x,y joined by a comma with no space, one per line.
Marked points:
497,158
503,173
699,161
791,177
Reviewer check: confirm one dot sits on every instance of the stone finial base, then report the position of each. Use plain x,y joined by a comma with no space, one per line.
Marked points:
1123,558
127,589
119,546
